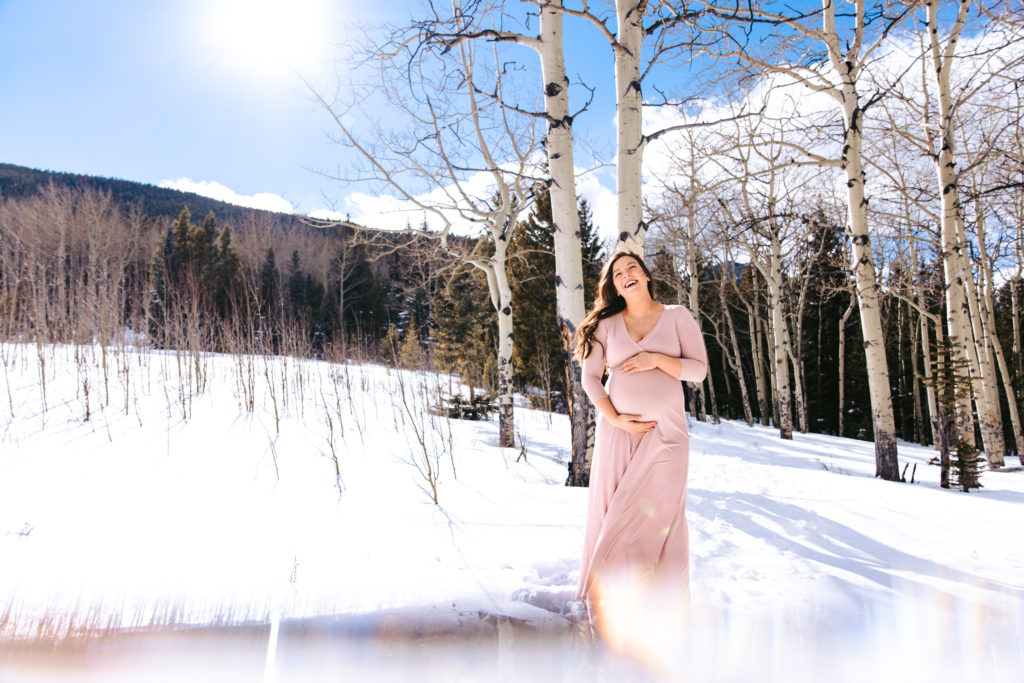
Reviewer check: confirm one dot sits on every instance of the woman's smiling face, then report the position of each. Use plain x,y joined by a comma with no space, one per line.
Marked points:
629,277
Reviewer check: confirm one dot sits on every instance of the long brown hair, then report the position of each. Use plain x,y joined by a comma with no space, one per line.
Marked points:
607,304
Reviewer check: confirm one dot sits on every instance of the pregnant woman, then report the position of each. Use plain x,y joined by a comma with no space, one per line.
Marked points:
636,521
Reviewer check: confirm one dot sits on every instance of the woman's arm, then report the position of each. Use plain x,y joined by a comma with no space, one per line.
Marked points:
691,367
593,365
628,423
593,370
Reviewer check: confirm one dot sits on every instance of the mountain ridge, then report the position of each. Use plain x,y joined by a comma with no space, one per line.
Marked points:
17,182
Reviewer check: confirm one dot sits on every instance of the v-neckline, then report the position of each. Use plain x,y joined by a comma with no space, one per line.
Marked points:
622,317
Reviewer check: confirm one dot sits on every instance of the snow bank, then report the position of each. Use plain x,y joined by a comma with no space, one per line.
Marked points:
174,507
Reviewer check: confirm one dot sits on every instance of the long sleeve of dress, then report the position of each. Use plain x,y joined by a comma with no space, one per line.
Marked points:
694,360
594,364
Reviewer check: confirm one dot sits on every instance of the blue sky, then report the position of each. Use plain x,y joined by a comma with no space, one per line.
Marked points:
166,90
138,90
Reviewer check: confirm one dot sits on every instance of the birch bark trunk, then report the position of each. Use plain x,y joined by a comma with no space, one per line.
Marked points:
991,417
735,359
754,329
842,363
975,344
1018,350
714,401
929,383
501,299
780,351
1011,395
797,360
566,226
395,164
915,385
955,265
771,377
926,353
1015,320
501,223
694,297
886,461
629,15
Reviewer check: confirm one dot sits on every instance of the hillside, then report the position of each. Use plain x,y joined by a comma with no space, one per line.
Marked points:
17,182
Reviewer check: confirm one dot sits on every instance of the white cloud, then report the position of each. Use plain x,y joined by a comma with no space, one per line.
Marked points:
327,215
388,212
453,203
603,201
214,190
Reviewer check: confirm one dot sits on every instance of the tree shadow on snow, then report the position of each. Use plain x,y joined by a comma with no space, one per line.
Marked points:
826,542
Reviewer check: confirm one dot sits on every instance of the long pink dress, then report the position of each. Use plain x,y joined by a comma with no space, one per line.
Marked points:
636,517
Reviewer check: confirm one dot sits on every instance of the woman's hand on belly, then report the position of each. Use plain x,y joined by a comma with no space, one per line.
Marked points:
633,424
640,362
646,360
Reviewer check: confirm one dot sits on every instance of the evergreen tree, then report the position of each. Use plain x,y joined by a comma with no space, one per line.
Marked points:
410,353
269,284
268,303
229,289
195,268
390,345
959,459
540,353
464,329
827,299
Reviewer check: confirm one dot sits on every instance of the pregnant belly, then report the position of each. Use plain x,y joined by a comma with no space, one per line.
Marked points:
647,394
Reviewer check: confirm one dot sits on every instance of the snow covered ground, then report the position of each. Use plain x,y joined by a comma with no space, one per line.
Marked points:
153,526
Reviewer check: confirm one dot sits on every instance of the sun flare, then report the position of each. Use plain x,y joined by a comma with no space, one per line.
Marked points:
262,39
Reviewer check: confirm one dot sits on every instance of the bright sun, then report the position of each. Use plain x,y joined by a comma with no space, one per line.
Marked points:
265,39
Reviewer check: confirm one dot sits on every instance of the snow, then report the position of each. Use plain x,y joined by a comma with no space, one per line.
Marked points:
174,530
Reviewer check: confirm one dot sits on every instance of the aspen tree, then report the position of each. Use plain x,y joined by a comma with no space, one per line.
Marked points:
635,22
847,47
566,228
454,136
483,22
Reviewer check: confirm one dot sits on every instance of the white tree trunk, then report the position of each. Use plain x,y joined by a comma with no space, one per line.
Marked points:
956,268
842,363
929,385
566,226
962,303
995,358
757,348
693,301
1011,395
1004,372
796,358
771,379
502,300
985,382
629,15
780,352
1018,350
886,463
735,359
798,386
